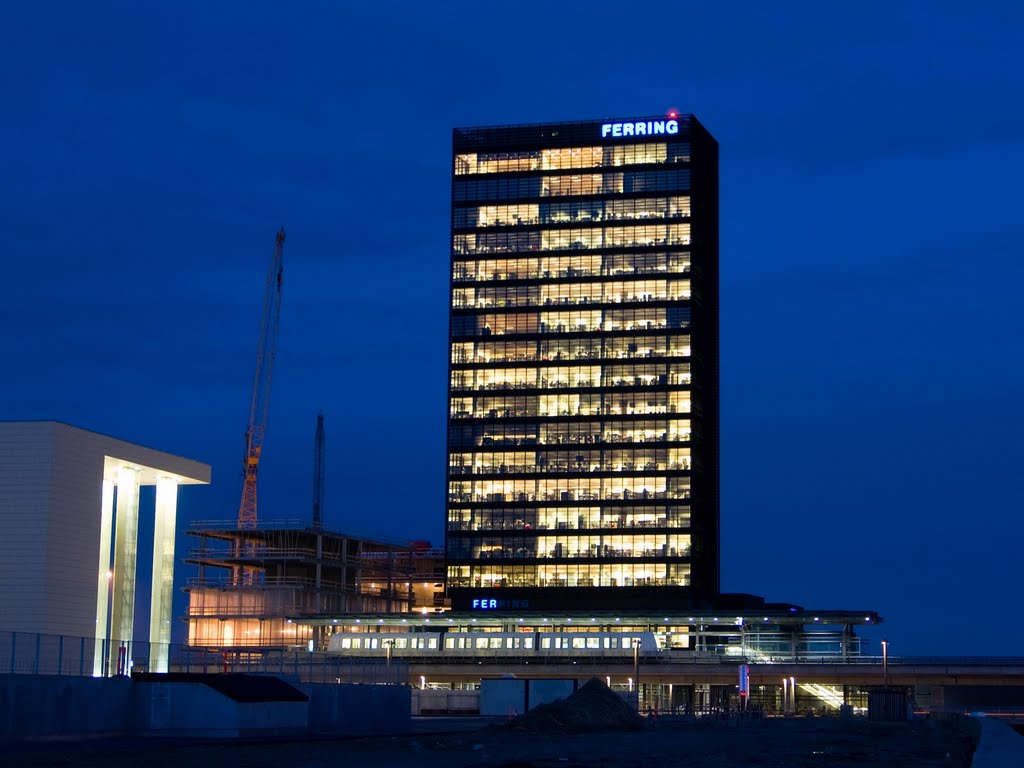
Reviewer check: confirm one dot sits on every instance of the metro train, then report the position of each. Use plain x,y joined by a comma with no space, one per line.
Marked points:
540,644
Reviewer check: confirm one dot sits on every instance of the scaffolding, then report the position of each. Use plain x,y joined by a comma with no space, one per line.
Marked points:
297,571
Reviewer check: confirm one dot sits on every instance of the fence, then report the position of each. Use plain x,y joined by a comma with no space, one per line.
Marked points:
30,653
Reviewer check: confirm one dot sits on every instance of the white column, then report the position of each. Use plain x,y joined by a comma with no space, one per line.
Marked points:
126,543
103,577
163,574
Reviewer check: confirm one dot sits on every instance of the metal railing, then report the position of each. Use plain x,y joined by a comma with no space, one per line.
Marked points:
31,653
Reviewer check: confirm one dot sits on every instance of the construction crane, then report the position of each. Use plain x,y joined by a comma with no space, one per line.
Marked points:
261,386
318,474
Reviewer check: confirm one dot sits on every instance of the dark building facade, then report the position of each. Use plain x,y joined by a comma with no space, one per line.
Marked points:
583,465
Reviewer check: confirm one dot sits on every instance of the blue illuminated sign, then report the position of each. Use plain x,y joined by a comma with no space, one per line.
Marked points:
494,604
640,128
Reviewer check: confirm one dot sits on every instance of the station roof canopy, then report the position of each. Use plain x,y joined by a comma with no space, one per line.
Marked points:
488,618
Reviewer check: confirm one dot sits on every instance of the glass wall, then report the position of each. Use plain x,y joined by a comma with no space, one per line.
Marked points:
571,412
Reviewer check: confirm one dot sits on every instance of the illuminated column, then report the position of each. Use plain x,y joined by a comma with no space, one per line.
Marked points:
126,543
163,574
103,577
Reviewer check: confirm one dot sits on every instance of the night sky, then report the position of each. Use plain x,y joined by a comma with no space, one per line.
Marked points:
871,259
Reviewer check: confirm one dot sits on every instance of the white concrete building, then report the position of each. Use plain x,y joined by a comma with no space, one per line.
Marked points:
69,511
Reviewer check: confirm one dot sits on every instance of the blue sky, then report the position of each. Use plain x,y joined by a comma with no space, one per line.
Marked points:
871,243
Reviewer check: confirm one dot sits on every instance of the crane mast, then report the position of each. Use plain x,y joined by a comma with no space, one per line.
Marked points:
261,386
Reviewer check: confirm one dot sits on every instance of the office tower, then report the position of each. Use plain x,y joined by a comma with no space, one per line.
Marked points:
583,389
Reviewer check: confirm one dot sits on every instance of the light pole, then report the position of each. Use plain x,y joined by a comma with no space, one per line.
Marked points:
885,663
636,669
388,645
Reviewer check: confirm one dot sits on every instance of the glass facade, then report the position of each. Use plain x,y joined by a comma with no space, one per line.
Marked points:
583,389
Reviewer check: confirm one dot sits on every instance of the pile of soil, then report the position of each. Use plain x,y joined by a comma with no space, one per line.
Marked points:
593,707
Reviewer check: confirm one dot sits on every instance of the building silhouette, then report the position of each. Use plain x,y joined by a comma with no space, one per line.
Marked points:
583,391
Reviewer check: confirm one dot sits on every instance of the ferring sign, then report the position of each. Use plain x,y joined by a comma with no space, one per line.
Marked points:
640,128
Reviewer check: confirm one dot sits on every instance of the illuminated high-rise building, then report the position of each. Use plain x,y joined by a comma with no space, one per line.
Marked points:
583,391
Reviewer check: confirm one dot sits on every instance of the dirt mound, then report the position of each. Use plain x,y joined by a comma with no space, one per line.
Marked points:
594,707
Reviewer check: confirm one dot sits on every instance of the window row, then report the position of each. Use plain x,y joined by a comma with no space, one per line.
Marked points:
566,641
623,430
529,187
610,488
569,518
569,404
571,157
525,214
608,320
481,576
577,376
576,460
562,547
608,348
593,238
571,266
381,641
572,294
246,632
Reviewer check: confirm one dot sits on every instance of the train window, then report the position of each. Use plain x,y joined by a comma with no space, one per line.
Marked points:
593,642
578,642
545,642
449,642
400,642
481,642
495,642
528,643
373,644
346,642
432,643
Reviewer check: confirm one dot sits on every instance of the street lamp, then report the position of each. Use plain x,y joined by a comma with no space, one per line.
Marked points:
388,645
885,663
636,669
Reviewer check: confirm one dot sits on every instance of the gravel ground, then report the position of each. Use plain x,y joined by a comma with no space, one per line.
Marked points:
772,742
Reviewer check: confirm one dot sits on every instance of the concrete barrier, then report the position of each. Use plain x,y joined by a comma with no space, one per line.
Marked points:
999,746
41,706
195,706
221,706
359,709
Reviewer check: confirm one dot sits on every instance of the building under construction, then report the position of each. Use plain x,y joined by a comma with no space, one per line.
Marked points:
293,570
